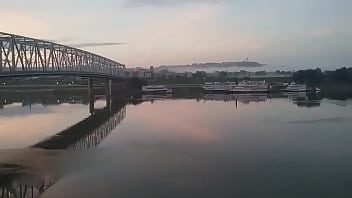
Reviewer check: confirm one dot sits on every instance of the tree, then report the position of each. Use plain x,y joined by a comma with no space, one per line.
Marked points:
312,77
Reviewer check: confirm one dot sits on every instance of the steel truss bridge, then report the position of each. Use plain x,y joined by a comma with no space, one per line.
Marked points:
24,56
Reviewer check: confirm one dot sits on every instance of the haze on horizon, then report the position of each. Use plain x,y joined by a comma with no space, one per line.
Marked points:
298,33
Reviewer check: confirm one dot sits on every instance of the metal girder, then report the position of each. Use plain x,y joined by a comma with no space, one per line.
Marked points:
19,54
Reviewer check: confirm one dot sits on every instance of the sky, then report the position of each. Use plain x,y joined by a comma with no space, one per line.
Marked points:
292,33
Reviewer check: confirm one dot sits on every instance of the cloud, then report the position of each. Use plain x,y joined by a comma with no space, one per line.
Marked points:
83,45
140,3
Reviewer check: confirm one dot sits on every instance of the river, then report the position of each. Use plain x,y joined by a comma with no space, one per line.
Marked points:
284,145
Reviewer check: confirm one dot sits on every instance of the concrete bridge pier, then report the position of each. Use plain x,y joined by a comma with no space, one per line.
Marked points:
0,60
91,95
108,93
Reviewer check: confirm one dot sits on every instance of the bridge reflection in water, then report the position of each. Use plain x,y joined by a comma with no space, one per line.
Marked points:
21,179
24,191
97,135
87,133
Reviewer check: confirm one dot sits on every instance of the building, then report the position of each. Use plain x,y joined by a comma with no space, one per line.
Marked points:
139,72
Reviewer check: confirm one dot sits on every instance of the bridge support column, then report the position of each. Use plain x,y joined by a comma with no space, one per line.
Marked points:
108,84
91,95
0,60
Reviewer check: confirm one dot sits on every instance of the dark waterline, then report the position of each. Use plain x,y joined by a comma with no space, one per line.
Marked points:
205,146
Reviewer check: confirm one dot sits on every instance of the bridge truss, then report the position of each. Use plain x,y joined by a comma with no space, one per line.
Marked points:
27,56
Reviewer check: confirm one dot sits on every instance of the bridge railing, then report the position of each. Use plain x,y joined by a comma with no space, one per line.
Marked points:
20,54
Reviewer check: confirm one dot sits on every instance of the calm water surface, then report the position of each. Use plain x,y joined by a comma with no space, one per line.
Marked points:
213,146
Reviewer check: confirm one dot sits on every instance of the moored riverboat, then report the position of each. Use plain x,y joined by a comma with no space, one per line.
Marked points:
156,89
217,86
293,87
250,87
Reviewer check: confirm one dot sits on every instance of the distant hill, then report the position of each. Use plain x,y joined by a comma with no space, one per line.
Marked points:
242,64
210,66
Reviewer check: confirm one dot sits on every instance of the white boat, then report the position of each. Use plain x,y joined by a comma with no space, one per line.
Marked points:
293,87
217,86
156,89
250,87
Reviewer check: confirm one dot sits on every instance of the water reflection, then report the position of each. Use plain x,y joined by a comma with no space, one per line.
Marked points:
29,98
301,99
304,99
29,172
17,183
87,133
243,98
184,146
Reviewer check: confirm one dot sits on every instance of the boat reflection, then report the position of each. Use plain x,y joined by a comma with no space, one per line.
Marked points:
301,99
242,98
248,98
156,96
217,97
304,99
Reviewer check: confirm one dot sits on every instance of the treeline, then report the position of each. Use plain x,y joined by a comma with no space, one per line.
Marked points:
201,77
196,78
317,77
311,77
